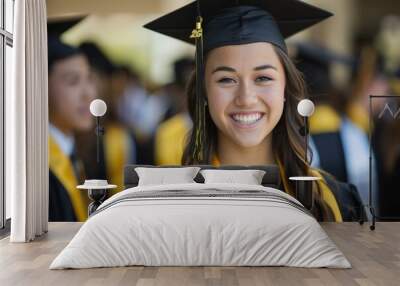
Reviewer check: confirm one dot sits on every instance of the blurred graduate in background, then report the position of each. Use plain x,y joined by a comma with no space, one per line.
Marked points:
140,110
339,145
171,135
118,147
71,89
379,74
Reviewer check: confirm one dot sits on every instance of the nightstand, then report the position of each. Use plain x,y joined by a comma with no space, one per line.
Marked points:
97,192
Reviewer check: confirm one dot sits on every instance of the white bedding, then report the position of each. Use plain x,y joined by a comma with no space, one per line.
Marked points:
182,230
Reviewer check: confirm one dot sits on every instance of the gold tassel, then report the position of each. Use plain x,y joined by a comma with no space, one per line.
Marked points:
199,130
198,31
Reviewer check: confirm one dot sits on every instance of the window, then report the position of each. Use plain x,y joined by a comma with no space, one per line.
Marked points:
6,44
9,15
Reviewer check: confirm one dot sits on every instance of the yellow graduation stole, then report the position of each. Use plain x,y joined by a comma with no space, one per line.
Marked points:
215,161
325,119
62,168
170,140
359,116
327,194
117,149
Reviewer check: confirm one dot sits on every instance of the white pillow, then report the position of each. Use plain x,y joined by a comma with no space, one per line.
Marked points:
162,176
248,177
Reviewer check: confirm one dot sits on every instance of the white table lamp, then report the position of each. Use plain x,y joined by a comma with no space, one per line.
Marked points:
304,183
98,108
305,108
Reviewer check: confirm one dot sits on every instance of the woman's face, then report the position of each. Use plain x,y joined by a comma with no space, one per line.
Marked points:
71,89
245,87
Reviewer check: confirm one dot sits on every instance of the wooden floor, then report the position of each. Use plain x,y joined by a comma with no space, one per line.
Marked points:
374,255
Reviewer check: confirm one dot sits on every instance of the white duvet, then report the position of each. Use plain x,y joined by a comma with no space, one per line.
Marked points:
207,230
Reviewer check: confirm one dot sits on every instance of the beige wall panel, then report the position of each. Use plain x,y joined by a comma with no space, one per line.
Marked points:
66,7
56,8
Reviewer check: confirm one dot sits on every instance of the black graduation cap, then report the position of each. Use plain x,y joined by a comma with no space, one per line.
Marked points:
229,22
97,57
58,50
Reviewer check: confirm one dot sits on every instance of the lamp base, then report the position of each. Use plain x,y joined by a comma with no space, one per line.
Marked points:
304,192
97,196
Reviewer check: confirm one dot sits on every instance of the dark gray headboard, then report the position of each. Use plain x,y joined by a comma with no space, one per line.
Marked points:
270,179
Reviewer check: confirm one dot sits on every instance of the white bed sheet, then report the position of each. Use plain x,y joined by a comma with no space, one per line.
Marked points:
205,231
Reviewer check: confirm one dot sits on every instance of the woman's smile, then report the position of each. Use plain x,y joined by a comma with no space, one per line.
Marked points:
246,120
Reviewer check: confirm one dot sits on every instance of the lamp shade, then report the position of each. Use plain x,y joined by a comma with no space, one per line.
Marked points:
305,108
98,107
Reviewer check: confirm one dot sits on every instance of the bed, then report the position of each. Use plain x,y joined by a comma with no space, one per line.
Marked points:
201,224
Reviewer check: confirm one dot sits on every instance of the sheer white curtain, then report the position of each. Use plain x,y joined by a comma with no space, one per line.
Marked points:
26,124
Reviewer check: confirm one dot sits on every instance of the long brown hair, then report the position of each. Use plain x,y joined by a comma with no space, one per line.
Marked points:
287,143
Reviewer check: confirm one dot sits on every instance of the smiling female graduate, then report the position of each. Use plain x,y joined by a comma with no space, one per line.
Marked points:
244,94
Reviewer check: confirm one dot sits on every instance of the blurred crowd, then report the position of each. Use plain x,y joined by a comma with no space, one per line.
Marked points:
148,125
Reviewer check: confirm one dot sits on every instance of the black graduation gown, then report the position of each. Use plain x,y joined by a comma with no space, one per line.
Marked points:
348,199
60,206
